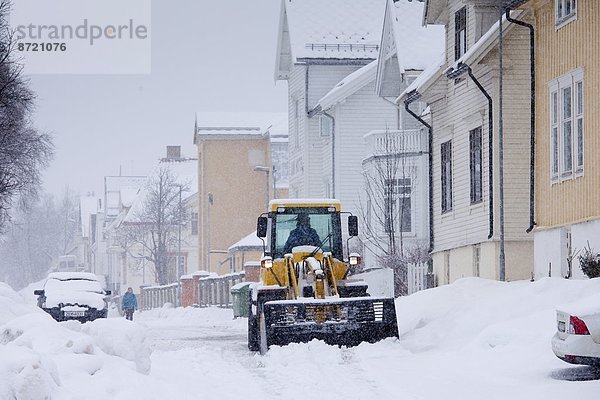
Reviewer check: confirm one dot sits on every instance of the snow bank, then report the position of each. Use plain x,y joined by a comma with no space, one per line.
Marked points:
470,340
44,359
488,312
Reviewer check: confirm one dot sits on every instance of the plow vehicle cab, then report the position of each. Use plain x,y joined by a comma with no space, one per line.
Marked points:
304,292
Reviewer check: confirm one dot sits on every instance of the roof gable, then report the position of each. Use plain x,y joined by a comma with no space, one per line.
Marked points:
406,44
332,29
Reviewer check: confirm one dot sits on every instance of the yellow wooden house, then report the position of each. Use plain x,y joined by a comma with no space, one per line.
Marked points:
567,138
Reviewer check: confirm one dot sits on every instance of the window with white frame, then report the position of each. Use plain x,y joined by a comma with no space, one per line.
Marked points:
446,161
398,208
566,126
460,33
325,125
566,11
475,157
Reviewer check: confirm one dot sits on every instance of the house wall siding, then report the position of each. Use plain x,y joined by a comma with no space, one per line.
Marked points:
307,161
462,109
559,51
296,89
238,193
465,109
361,113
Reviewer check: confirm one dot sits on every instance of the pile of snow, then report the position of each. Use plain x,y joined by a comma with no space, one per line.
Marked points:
42,358
470,340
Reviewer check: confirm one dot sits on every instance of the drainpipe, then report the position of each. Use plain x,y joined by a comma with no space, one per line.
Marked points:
453,74
306,76
532,122
332,152
407,102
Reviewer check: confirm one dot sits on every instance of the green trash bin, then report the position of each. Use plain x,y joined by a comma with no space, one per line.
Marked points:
240,297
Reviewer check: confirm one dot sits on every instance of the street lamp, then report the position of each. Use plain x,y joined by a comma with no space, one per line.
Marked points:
266,170
210,201
179,239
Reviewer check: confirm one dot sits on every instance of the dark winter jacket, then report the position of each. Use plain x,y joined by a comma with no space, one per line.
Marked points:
129,301
303,235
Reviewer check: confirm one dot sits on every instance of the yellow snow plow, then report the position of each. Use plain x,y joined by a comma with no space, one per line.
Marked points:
304,291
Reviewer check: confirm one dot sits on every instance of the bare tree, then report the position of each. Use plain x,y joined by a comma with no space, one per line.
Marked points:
35,236
390,180
23,150
155,225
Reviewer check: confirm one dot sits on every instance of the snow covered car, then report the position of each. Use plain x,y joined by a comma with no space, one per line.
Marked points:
577,340
73,295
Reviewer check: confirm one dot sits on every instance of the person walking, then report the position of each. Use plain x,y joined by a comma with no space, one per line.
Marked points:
129,304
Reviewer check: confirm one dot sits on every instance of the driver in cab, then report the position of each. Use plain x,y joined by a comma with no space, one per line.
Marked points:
302,235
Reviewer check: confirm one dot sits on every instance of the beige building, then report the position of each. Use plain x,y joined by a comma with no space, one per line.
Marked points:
234,186
567,152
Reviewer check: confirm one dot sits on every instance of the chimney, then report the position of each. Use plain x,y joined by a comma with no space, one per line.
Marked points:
173,152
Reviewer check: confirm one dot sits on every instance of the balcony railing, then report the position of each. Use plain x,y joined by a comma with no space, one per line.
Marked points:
381,142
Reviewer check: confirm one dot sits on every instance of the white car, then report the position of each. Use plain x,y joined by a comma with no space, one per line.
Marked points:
73,295
577,340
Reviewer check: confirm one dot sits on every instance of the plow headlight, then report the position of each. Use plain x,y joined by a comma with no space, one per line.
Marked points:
266,262
355,259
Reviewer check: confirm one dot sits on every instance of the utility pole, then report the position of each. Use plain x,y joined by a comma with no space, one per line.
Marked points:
502,260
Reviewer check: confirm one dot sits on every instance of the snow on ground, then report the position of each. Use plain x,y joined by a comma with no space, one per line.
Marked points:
470,340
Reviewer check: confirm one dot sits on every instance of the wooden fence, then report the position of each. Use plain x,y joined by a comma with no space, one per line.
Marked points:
216,290
158,296
212,290
417,277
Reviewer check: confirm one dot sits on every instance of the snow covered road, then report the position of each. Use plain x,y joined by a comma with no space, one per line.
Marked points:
470,340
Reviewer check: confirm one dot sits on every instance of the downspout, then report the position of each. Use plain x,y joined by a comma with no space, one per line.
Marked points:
453,74
332,152
306,76
491,150
532,122
430,160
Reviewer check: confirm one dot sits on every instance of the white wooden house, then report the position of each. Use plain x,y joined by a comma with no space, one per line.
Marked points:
466,196
407,48
319,44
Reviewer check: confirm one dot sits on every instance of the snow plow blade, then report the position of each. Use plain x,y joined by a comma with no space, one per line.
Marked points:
342,322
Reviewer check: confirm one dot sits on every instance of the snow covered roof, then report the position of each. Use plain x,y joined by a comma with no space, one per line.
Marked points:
473,55
425,79
119,192
486,43
348,86
278,130
228,130
332,29
250,241
406,45
184,171
417,46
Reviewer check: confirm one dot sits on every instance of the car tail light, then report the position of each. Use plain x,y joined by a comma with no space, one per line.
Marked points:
578,327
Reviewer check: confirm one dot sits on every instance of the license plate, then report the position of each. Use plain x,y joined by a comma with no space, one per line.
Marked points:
561,326
74,313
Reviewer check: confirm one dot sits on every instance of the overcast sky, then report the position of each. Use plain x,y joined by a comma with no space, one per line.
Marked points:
207,56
